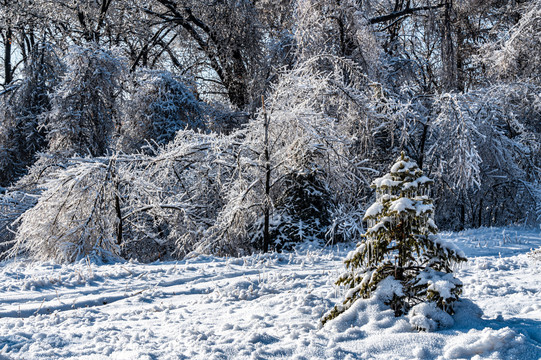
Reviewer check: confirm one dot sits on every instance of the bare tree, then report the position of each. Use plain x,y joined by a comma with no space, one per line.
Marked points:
226,33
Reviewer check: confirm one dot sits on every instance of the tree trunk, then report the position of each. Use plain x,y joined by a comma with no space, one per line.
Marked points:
479,217
119,219
422,144
448,56
8,74
266,235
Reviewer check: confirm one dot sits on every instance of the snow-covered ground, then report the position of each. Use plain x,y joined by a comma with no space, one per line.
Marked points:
264,307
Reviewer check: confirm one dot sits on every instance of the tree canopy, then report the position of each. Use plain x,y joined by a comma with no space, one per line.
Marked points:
246,125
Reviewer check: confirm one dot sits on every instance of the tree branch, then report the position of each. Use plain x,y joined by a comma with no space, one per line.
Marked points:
406,11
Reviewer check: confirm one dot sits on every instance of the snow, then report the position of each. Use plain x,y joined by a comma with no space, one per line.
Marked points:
403,166
402,205
359,249
423,180
428,317
421,208
442,239
442,283
380,225
477,342
385,181
373,210
268,307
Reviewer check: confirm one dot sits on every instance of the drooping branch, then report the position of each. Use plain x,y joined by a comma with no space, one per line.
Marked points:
406,11
150,207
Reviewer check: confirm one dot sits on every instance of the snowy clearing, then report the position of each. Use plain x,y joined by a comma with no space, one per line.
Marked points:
264,307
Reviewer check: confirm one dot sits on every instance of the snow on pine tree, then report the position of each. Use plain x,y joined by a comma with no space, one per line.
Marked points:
400,249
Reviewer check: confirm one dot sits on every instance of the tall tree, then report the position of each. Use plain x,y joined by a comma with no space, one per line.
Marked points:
83,108
226,34
23,106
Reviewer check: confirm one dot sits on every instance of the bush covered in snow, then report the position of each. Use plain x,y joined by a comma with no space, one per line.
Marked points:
75,217
535,254
159,105
399,249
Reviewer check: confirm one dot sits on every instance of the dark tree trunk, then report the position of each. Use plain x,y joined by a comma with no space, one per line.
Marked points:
120,224
401,13
228,64
422,144
479,217
266,234
8,71
448,56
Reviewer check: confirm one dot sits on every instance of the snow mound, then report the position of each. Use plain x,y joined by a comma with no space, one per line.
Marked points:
366,317
505,341
428,317
372,315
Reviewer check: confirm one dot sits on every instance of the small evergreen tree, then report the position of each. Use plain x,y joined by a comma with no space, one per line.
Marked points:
399,246
301,211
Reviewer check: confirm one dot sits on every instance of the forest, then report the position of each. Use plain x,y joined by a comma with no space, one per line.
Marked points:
158,129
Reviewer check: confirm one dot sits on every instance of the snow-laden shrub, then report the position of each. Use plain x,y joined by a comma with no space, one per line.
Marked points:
24,194
75,217
171,199
484,154
139,206
159,105
399,245
345,225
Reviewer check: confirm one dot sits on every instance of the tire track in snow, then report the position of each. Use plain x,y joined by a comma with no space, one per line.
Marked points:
53,298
